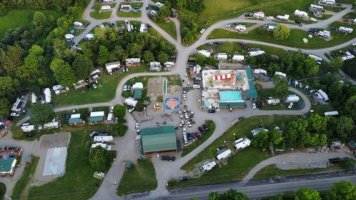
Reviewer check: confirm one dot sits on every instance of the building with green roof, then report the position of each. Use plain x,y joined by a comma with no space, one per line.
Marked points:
138,93
252,93
7,166
158,139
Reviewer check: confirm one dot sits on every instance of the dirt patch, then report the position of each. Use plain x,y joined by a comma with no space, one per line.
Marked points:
155,87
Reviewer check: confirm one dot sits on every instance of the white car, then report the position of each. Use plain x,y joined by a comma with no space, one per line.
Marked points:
290,105
253,106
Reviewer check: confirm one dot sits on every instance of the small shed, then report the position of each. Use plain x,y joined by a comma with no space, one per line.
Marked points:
158,139
97,116
75,119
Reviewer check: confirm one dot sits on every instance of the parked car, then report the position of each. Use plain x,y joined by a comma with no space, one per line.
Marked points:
197,135
168,158
201,130
205,128
211,111
183,178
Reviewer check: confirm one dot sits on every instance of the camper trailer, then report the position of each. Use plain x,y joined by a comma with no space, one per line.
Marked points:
242,143
26,127
223,154
102,145
207,166
104,138
293,98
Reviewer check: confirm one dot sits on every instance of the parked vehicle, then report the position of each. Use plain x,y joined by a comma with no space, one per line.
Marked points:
211,111
168,158
205,128
201,130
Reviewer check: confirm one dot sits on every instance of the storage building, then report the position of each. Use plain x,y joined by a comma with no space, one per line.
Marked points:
97,116
160,139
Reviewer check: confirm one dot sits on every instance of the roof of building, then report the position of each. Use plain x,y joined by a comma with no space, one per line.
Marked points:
75,118
158,139
138,93
252,93
6,165
96,118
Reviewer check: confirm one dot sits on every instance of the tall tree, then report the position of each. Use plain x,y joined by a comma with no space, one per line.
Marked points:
281,32
344,128
280,86
4,107
41,113
318,123
13,59
119,112
98,159
228,47
307,194
33,61
343,190
337,62
228,195
62,72
104,55
148,56
82,67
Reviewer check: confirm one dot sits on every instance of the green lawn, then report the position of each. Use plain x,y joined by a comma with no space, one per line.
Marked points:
273,171
238,165
18,17
101,15
2,190
295,38
78,182
201,140
141,177
20,187
169,27
105,92
130,13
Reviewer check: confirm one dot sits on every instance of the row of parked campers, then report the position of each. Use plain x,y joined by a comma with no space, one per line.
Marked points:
27,127
101,139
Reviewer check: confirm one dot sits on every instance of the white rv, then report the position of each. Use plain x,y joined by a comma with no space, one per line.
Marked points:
207,166
256,131
316,58
260,71
102,145
242,143
52,125
280,74
223,154
238,58
346,29
104,138
240,28
255,53
331,113
222,56
283,17
26,127
205,53
78,24
293,98
273,101
300,13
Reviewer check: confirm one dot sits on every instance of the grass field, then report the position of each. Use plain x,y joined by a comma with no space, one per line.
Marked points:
130,13
20,187
100,15
201,140
273,171
105,92
169,27
239,164
78,182
295,38
18,17
2,190
140,178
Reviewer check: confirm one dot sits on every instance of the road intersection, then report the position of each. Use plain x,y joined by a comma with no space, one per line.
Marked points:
223,121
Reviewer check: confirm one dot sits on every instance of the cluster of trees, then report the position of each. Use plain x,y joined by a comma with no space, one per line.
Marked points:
349,69
100,159
343,190
293,63
119,112
306,133
281,32
191,5
7,5
203,60
41,113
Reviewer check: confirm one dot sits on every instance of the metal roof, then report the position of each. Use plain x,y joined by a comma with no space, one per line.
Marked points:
158,139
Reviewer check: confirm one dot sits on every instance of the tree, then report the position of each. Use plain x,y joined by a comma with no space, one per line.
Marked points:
148,56
99,159
4,107
261,140
41,113
228,195
281,32
348,163
6,85
317,123
119,112
120,129
13,59
40,20
63,73
163,57
82,67
337,62
30,70
97,7
344,127
280,86
307,194
343,190
104,55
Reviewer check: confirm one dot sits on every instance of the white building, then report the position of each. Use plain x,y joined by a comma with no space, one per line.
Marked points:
222,56
205,53
322,95
293,98
103,138
260,71
346,29
238,58
69,37
131,102
207,166
324,34
255,53
327,2
112,66
280,74
223,154
89,36
26,127
102,145
300,13
240,28
259,15
78,24
143,28
283,17
47,95
242,143
105,8
137,85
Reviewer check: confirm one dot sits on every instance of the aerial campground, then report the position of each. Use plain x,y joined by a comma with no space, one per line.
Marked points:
178,99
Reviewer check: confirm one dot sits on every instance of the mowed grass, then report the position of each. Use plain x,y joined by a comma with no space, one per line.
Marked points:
78,182
201,140
273,171
19,189
141,177
169,27
101,15
295,38
18,17
105,91
238,165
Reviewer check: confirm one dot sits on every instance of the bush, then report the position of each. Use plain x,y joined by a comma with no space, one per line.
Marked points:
99,159
119,129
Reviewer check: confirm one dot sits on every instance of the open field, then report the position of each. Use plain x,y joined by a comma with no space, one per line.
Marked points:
100,15
20,187
239,164
272,171
18,17
201,140
295,38
169,27
141,177
105,92
130,13
78,182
